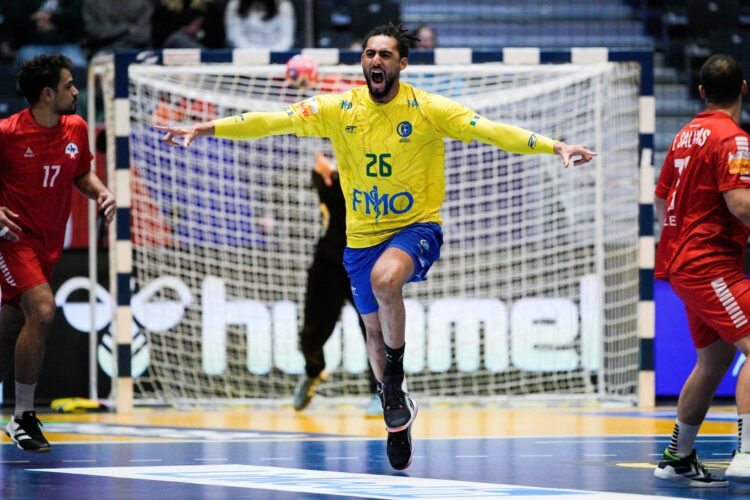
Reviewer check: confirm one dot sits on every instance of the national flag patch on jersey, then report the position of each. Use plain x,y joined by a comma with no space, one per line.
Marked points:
309,107
742,144
71,150
739,163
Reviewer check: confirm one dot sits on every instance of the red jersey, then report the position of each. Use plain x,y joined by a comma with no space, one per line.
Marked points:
710,155
37,168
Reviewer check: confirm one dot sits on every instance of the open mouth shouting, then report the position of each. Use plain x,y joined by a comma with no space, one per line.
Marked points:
378,82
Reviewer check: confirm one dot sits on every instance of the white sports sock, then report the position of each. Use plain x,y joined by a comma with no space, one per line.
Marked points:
683,438
24,399
743,432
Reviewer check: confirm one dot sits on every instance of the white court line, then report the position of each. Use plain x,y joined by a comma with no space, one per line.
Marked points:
15,461
74,461
534,456
721,454
600,454
210,459
337,483
146,460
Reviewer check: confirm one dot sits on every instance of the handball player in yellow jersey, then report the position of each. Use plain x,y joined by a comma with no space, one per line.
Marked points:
388,141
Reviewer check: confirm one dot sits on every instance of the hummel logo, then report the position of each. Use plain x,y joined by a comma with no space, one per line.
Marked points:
351,128
29,153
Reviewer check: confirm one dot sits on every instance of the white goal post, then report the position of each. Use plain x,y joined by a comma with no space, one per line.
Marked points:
544,286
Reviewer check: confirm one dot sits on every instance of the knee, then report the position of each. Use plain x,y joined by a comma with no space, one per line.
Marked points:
717,368
43,314
386,285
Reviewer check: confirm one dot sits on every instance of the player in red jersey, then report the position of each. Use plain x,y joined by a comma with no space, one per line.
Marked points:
703,205
44,152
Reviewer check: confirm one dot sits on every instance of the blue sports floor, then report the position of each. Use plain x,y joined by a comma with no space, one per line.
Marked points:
469,453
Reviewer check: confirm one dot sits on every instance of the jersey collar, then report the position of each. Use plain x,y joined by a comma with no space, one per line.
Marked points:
401,91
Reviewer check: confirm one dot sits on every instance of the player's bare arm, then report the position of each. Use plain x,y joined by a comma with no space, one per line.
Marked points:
661,209
188,134
738,202
8,228
92,187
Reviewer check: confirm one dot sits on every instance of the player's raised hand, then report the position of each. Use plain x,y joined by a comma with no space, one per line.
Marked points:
325,167
8,228
567,152
106,204
188,134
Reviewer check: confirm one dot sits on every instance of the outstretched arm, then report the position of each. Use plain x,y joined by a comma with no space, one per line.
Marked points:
521,141
240,127
188,134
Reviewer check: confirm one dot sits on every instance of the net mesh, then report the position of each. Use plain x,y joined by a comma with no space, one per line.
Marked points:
536,290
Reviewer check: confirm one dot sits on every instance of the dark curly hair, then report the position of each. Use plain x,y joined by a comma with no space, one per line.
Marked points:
401,34
40,72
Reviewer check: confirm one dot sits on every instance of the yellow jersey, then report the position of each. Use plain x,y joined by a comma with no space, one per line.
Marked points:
390,156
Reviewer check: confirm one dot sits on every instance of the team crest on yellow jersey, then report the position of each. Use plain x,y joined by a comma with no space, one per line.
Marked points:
404,131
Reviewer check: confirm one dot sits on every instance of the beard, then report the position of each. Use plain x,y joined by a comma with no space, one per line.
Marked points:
388,80
69,110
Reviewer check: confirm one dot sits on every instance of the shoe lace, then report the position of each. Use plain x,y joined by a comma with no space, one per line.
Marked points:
393,397
32,425
702,469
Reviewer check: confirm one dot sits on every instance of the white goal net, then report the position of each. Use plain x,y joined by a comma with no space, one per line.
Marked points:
536,290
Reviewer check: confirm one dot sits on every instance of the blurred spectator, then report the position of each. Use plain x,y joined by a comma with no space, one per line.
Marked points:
114,24
181,20
45,27
188,36
426,35
260,24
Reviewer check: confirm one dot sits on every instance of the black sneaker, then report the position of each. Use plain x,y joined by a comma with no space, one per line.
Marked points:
399,410
399,448
26,433
687,470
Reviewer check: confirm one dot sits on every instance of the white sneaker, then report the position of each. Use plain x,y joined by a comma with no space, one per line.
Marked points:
739,468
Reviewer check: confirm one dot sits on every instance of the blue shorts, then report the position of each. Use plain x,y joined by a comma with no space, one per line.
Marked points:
422,241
